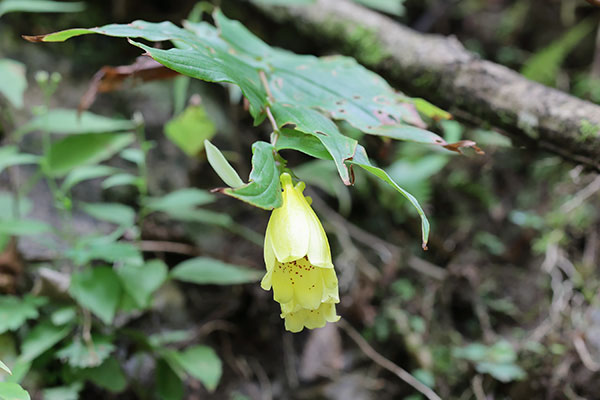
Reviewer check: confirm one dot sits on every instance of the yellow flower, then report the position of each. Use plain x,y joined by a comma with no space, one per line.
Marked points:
298,261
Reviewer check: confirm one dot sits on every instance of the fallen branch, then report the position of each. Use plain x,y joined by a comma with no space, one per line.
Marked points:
441,70
385,363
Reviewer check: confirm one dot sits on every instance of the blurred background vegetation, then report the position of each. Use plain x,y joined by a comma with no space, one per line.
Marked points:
505,303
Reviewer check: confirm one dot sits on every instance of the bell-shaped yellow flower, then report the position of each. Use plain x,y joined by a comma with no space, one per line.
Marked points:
298,261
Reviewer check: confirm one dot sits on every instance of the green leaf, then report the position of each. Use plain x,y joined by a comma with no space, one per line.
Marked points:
187,198
221,166
337,86
108,375
202,216
38,6
120,180
181,85
8,205
12,391
426,108
14,311
98,290
23,227
78,354
12,79
41,338
544,65
340,147
85,173
5,368
504,372
64,315
74,151
20,368
189,130
135,156
362,160
103,250
200,362
168,385
296,140
140,282
308,146
116,213
163,338
70,392
264,189
204,270
10,156
70,122
218,65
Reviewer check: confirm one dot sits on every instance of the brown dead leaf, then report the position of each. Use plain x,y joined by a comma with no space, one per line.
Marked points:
109,79
457,146
11,267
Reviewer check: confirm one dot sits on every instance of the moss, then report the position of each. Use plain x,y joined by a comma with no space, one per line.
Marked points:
359,41
588,130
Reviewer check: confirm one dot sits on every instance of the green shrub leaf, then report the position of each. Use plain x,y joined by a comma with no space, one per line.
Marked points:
189,130
14,311
219,163
41,338
143,280
116,213
71,122
74,151
200,362
12,391
264,189
204,270
12,79
98,290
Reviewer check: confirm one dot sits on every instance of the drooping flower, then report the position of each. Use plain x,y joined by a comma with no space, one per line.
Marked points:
298,262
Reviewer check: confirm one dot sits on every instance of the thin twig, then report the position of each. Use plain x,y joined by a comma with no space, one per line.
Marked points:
477,385
87,336
167,247
386,251
289,358
387,364
584,354
581,196
263,379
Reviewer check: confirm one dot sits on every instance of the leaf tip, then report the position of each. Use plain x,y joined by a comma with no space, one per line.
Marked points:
457,146
34,38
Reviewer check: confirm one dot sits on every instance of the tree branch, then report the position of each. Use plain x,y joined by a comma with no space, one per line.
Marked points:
441,70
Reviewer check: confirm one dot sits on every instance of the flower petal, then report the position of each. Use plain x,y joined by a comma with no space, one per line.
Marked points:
294,322
288,225
266,281
319,253
308,284
269,255
311,319
283,290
